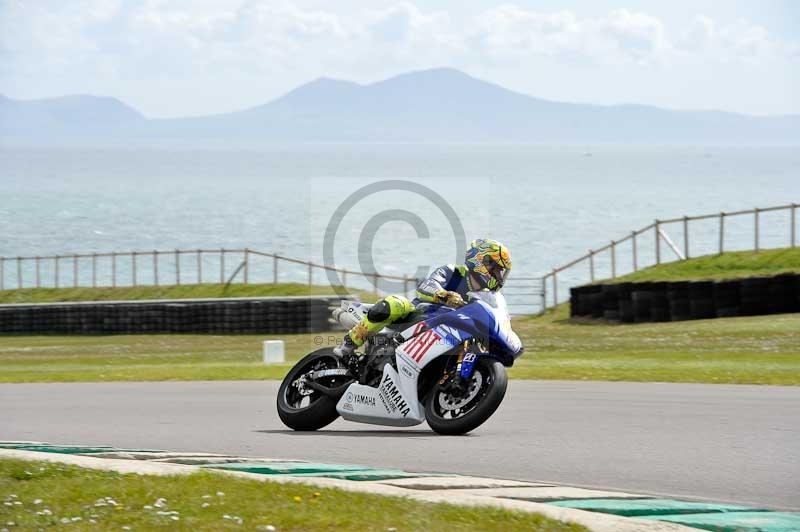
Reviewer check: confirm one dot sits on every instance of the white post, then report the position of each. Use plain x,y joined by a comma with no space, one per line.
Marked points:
274,352
755,228
686,236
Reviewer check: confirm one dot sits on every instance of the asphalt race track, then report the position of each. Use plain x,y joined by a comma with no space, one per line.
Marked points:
738,444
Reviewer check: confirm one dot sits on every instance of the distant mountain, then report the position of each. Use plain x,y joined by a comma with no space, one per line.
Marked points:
67,116
439,105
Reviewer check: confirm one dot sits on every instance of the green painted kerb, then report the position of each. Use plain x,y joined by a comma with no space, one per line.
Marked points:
738,522
293,468
643,507
704,516
68,449
311,469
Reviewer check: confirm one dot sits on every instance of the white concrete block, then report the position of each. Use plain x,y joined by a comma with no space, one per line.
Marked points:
274,352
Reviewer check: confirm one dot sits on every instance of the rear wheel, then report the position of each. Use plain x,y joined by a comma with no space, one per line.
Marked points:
458,408
299,406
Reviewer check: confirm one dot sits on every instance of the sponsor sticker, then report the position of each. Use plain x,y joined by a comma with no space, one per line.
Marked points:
361,399
391,398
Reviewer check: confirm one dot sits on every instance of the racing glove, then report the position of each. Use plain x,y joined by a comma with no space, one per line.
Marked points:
451,299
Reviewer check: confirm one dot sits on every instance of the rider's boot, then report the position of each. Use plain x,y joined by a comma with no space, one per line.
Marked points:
346,348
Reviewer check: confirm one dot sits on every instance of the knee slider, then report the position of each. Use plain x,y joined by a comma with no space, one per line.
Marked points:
380,311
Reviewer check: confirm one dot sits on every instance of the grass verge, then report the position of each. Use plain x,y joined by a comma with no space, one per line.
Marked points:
46,494
195,291
729,265
748,350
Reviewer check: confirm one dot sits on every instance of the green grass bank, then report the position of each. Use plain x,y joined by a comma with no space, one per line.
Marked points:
188,291
731,265
52,495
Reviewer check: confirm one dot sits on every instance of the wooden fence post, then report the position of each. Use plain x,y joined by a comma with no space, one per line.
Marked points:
543,280
405,285
94,270
657,231
2,273
222,266
633,244
721,232
344,278
246,265
75,271
686,236
133,267
199,266
555,289
591,265
310,275
114,269
274,269
613,259
793,220
38,273
155,267
56,271
19,272
755,228
177,267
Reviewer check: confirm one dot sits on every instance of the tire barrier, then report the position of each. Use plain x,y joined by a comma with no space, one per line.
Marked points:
625,303
199,316
687,300
642,302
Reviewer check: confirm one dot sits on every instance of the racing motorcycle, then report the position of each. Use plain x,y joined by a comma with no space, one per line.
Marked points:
442,365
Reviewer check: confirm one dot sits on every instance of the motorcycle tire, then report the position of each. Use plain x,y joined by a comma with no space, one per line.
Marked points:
493,384
321,410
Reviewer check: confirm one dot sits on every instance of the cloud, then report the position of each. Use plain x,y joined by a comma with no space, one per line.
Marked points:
510,31
281,29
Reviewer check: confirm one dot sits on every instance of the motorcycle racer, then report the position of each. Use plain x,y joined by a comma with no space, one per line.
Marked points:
486,267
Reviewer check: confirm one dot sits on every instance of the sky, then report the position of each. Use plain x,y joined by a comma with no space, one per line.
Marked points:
194,57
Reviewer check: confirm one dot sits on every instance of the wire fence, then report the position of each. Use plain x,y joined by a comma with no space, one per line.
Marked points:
175,267
751,229
743,230
217,266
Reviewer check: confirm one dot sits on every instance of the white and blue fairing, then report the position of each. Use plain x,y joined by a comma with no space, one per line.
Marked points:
485,318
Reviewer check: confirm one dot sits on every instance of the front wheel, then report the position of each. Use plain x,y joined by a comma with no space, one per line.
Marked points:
299,406
459,408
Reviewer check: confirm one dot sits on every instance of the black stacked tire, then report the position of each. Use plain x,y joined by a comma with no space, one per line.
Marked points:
701,300
659,306
574,301
754,296
596,302
625,303
642,299
797,292
587,298
726,298
782,295
579,301
678,296
611,302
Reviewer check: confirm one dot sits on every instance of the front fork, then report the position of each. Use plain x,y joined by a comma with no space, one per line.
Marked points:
465,365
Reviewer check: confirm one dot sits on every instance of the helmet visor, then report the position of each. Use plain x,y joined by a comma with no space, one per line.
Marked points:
499,274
